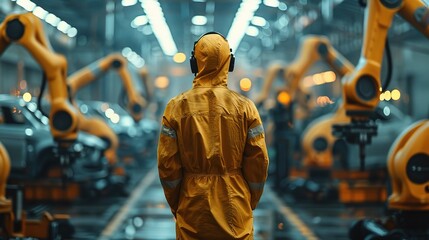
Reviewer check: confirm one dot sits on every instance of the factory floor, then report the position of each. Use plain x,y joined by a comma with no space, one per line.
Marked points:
144,214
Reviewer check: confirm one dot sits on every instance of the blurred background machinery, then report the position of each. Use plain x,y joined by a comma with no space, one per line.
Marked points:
340,85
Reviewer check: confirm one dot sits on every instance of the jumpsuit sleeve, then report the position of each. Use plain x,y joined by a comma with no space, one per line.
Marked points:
169,164
255,157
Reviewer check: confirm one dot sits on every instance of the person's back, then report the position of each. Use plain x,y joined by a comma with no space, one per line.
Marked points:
212,157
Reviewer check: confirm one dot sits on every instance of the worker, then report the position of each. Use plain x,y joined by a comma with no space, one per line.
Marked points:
212,155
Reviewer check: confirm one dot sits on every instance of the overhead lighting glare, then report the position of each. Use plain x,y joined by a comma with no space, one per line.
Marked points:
133,57
153,11
26,4
282,6
139,21
40,12
50,18
179,57
63,26
199,20
127,3
252,31
241,21
72,32
259,21
272,3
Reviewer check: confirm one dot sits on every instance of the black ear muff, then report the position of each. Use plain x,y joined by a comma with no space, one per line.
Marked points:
231,62
193,60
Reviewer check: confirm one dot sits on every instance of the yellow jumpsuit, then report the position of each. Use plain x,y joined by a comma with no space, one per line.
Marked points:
212,156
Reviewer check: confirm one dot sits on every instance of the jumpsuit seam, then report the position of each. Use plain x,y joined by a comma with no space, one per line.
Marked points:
230,214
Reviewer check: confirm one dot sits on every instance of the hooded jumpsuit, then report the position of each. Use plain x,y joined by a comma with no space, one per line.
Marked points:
212,157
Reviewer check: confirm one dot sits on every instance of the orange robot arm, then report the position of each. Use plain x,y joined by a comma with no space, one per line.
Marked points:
27,30
136,102
147,84
268,82
362,87
312,49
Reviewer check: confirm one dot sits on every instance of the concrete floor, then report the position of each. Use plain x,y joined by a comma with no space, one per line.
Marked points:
144,214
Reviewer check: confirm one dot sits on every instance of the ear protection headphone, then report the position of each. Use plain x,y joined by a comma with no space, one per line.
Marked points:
193,60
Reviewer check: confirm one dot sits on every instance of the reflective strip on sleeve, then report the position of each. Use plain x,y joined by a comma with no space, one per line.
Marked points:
168,132
256,186
253,132
170,184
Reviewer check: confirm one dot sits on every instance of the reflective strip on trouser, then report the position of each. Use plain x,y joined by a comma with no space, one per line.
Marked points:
168,131
170,184
256,186
253,132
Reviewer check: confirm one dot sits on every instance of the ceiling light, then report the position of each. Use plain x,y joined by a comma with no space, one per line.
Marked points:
199,20
127,3
252,31
241,21
153,11
258,21
40,12
139,21
52,19
72,32
179,57
63,26
272,3
282,6
26,4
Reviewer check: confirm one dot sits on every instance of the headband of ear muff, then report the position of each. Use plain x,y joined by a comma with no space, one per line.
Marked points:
193,60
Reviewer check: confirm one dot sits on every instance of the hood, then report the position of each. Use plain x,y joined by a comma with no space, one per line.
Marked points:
213,55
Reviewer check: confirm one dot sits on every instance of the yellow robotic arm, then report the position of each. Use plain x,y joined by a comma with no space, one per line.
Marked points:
144,76
362,87
136,103
408,158
27,30
312,49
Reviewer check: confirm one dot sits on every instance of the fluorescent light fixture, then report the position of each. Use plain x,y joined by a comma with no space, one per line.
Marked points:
199,0
52,19
199,20
72,32
40,12
241,21
133,57
26,4
127,3
153,11
48,17
282,6
272,3
258,21
139,21
126,51
63,26
252,31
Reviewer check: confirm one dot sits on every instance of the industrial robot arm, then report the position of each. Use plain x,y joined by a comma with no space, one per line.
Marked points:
312,49
144,76
361,88
27,30
136,103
